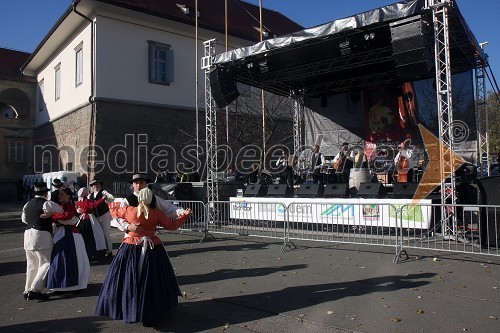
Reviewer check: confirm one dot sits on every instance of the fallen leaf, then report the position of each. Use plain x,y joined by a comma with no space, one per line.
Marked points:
395,320
301,315
79,311
419,311
330,312
494,318
386,306
225,327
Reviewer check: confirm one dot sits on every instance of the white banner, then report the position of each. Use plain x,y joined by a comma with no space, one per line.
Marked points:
351,211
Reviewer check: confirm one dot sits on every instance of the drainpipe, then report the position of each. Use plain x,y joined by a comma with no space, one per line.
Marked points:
90,168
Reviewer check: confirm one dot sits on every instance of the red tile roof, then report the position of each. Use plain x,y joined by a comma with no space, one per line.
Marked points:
243,17
10,64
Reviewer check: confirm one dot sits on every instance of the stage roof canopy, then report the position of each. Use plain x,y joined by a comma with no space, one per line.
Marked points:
387,45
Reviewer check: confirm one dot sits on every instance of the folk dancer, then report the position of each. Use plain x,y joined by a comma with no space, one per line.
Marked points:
37,244
102,212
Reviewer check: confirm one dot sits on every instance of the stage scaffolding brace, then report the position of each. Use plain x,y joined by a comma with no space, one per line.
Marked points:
440,10
297,121
483,151
211,131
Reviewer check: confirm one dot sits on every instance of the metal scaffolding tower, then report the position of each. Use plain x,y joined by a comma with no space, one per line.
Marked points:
440,10
211,128
483,151
297,122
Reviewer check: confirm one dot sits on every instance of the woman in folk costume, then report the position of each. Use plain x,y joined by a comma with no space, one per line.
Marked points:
89,226
69,266
141,285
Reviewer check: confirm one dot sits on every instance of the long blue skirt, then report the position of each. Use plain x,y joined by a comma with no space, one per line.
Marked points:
132,298
63,271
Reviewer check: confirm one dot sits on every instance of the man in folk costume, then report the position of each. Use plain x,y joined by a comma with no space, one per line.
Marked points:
343,163
37,244
140,181
102,212
54,195
317,162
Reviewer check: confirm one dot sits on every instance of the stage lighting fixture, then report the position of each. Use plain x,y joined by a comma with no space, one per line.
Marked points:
345,48
369,36
263,66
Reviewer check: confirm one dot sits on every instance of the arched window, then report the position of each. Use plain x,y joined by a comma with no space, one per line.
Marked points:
7,111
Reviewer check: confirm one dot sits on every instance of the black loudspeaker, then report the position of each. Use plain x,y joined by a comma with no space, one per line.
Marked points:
489,188
223,84
310,191
371,190
279,190
404,190
412,47
173,191
336,191
255,190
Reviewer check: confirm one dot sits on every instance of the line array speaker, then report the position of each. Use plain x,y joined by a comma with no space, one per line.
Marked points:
412,46
223,84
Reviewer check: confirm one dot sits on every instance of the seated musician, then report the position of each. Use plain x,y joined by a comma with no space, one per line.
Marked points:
404,162
342,163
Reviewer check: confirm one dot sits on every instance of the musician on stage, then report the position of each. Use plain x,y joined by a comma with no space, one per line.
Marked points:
285,164
404,162
317,162
343,163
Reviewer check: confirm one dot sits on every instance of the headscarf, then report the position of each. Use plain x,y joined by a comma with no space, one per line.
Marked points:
83,193
145,197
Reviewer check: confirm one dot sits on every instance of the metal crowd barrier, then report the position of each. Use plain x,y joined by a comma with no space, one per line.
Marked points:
471,229
356,223
247,218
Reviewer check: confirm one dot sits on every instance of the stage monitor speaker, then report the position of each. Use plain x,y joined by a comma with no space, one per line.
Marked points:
489,187
173,191
255,190
404,190
310,191
371,190
279,190
412,47
223,84
336,191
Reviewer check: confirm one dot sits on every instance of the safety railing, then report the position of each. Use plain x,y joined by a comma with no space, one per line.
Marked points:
343,221
398,223
470,229
246,217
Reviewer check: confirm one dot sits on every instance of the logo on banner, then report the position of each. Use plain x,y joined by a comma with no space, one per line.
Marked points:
245,206
371,211
339,210
409,212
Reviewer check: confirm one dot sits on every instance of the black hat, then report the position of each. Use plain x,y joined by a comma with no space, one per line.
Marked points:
57,183
40,188
139,176
95,181
345,144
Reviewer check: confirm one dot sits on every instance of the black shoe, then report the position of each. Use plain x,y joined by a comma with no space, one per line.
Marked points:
36,295
25,296
109,254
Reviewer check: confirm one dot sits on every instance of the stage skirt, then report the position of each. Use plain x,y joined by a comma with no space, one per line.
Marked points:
139,293
93,236
69,266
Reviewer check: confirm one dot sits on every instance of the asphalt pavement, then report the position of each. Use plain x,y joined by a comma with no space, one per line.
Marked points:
245,284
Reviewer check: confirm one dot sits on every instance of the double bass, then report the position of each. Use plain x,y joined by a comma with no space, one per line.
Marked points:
403,165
